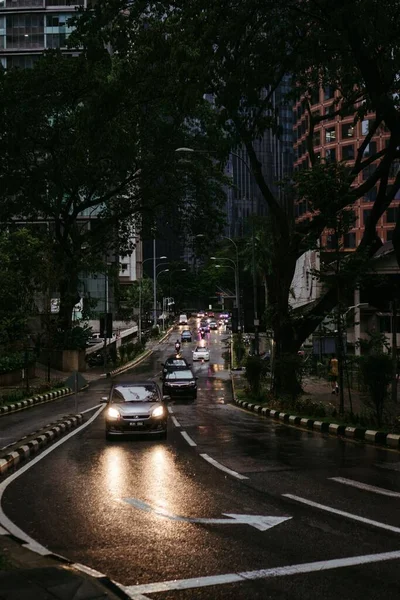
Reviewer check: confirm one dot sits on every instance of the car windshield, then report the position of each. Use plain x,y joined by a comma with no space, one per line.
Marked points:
186,333
134,393
201,349
180,375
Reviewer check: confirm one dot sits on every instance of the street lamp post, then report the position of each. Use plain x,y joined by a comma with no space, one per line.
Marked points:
154,258
236,281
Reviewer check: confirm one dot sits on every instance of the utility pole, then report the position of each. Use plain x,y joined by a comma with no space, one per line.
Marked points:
394,350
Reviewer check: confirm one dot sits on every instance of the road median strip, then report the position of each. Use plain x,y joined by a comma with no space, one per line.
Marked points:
37,399
379,438
22,450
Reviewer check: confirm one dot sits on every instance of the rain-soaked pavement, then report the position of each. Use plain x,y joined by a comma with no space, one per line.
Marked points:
154,516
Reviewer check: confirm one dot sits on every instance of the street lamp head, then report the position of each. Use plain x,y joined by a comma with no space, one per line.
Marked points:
163,257
213,257
184,149
199,235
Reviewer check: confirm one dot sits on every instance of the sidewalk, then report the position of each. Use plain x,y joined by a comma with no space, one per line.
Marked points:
319,390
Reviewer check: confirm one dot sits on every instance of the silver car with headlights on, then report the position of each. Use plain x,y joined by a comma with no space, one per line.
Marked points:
136,408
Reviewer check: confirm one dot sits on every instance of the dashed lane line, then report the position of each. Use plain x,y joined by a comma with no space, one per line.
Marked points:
218,465
188,438
366,487
342,513
175,421
136,591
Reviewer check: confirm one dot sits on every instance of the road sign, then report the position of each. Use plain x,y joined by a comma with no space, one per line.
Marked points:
260,522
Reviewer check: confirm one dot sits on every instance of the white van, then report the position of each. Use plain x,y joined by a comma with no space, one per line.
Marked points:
183,319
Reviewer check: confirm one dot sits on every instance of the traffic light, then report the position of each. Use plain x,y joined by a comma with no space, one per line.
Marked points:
106,325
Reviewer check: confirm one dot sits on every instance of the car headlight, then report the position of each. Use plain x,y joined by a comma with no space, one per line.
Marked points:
113,413
158,412
192,383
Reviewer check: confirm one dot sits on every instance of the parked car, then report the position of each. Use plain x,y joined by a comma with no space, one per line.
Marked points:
201,353
180,384
136,408
186,336
174,364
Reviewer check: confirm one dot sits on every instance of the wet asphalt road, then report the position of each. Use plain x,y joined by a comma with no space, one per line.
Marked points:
75,502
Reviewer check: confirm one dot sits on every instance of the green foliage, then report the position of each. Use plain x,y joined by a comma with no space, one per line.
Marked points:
75,338
376,370
15,361
155,332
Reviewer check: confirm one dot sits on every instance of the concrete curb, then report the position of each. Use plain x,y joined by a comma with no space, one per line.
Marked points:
21,453
38,399
369,436
103,584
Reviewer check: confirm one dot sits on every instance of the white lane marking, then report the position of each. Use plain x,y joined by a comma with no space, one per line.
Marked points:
170,410
134,591
366,487
82,412
260,522
389,466
222,467
4,520
188,438
175,421
88,570
342,513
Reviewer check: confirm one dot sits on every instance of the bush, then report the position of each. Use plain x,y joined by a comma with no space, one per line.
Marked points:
16,361
76,338
155,332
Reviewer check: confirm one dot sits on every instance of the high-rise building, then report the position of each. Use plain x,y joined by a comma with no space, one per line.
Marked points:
28,27
338,139
275,152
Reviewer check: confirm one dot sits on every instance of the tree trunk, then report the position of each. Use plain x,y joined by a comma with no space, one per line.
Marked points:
68,288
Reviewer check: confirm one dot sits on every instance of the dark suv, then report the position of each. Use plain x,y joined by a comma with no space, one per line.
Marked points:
180,384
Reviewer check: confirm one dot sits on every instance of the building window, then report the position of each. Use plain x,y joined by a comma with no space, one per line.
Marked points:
330,135
364,127
348,131
329,92
392,214
389,235
331,241
366,215
314,97
349,240
330,155
368,171
348,152
370,149
370,196
56,40
317,138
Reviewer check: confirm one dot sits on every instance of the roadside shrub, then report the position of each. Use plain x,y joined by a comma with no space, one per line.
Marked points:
376,371
129,350
155,332
122,353
15,361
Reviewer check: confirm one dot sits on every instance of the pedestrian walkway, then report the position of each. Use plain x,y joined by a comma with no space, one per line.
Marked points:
319,390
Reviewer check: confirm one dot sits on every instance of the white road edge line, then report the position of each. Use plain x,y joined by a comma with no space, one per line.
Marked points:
170,410
175,421
222,467
188,438
134,591
366,487
342,513
4,520
82,412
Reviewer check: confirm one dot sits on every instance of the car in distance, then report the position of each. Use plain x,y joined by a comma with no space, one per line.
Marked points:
200,314
173,363
180,384
205,326
186,336
213,325
183,319
136,408
201,353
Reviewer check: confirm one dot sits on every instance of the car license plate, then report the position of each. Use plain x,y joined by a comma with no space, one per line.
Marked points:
136,424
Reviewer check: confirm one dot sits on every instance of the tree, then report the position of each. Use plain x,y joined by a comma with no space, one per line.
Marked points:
244,52
89,148
22,263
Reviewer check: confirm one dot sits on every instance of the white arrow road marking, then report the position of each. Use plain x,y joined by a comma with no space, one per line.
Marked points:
135,591
366,487
260,522
342,513
218,465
